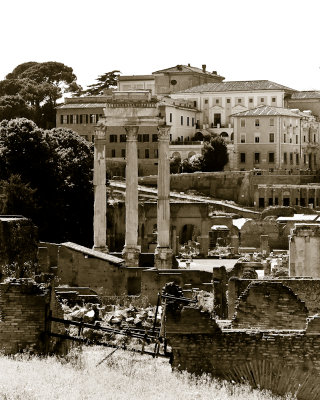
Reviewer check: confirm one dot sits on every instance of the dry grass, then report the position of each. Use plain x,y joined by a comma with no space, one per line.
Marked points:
121,376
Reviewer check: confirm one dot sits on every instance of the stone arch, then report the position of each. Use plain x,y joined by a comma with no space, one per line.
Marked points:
191,153
186,234
224,134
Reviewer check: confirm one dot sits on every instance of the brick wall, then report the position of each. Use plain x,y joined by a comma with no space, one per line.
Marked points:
269,305
23,309
307,289
266,358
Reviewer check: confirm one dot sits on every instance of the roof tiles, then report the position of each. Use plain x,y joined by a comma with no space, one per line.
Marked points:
241,86
268,110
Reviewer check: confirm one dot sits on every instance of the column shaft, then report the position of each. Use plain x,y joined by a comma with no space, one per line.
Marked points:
100,191
163,254
131,250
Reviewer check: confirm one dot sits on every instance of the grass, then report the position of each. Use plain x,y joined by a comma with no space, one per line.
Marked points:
123,376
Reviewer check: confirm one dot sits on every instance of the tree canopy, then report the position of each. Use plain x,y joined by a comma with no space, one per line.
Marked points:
214,158
47,176
38,86
105,81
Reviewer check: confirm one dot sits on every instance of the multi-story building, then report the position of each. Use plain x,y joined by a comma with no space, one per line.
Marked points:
218,101
169,80
272,138
306,100
81,114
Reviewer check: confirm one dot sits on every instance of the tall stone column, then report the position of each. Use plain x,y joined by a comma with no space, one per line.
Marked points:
163,253
131,249
100,191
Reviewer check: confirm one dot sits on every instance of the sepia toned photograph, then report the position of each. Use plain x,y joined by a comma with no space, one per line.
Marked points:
159,200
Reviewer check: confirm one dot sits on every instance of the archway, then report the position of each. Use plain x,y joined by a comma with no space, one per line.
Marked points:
187,233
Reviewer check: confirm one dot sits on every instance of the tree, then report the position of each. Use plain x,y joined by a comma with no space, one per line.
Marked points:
193,164
56,165
39,85
105,81
215,155
175,164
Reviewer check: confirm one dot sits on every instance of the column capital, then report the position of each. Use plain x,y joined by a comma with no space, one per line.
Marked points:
132,132
163,132
100,131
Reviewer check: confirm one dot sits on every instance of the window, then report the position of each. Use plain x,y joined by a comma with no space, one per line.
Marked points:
257,158
113,139
242,138
271,122
271,137
65,119
154,137
194,104
285,158
297,139
304,159
257,137
61,119
93,118
146,153
284,138
242,123
123,153
271,158
291,158
242,157
228,101
273,99
192,121
139,153
156,153
181,118
145,137
139,138
206,101
262,100
113,153
170,117
239,101
217,101
123,138
297,159
251,100
188,121
256,122
84,118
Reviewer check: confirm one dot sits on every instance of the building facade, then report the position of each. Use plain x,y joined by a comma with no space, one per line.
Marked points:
276,138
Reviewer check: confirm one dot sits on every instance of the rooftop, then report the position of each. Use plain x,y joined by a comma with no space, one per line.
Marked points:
306,94
93,253
269,110
187,69
136,78
238,86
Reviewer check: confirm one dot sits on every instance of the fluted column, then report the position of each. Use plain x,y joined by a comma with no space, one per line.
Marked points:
100,191
163,253
131,249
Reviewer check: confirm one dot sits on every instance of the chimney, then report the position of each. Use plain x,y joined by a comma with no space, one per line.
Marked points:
204,67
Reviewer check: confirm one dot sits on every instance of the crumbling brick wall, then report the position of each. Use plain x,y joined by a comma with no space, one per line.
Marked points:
307,289
269,305
200,346
23,309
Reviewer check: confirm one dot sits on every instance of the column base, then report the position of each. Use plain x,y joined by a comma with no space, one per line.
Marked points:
130,254
103,249
163,258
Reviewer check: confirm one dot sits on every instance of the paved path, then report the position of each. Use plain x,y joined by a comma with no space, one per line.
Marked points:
190,197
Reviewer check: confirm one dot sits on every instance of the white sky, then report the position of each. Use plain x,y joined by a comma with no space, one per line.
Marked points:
276,40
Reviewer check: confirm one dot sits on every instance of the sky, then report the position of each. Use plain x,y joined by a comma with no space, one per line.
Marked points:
277,40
